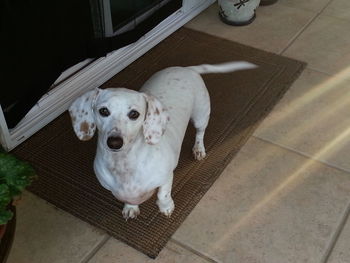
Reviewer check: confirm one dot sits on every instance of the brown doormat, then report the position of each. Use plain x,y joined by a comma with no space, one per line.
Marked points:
240,101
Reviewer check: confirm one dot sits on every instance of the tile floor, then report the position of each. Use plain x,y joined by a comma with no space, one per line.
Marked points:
284,198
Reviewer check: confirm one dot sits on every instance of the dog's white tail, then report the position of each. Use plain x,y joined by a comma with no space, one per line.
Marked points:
222,68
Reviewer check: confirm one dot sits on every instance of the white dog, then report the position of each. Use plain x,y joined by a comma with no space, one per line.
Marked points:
140,133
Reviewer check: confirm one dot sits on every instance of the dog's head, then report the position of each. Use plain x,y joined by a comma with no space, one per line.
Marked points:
120,115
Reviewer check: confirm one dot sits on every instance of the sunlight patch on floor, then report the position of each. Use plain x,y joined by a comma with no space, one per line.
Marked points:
298,176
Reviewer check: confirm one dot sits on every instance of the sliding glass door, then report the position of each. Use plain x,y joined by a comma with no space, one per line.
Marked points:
112,17
124,12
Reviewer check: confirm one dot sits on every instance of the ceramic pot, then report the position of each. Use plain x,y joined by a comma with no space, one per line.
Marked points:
7,234
237,12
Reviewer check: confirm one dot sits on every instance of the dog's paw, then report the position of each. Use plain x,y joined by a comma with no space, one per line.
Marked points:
198,152
130,211
166,208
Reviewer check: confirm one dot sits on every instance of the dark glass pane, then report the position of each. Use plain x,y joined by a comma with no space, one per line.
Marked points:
125,11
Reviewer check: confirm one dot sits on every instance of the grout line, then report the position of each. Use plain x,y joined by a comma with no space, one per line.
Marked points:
345,215
304,28
192,250
294,38
320,71
333,241
305,155
93,252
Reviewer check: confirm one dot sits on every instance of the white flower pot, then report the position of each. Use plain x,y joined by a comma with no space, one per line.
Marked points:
237,12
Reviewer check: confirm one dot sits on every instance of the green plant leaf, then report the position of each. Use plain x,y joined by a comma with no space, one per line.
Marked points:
15,173
15,176
5,215
5,198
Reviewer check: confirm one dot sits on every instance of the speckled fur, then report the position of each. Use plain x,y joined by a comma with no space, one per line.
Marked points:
152,143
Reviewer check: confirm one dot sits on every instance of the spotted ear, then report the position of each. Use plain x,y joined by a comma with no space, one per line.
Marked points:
156,120
81,113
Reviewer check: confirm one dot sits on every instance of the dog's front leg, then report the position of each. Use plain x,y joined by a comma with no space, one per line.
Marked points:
130,211
165,202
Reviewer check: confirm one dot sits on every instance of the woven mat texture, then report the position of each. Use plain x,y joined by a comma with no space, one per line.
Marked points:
240,100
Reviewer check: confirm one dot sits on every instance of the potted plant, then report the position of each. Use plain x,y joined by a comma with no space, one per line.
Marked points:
15,176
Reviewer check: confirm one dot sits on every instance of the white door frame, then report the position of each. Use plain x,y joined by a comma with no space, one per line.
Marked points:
57,100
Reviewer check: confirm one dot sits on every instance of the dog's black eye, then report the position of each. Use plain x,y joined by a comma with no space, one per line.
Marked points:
133,115
104,112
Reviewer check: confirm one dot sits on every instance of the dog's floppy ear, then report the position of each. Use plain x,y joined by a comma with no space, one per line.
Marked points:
81,113
156,120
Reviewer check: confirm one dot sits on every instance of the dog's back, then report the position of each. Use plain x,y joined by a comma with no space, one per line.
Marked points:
183,93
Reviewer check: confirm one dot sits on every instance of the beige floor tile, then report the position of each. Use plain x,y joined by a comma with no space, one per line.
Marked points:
45,234
339,9
273,29
341,251
116,251
313,118
311,5
269,205
324,45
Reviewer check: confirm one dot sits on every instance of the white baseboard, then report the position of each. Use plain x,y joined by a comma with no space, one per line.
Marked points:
55,102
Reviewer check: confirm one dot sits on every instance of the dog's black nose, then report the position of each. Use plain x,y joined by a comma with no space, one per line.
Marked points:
115,143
